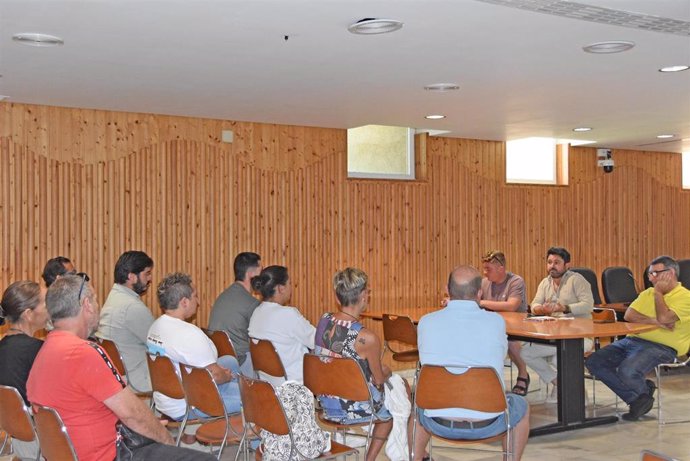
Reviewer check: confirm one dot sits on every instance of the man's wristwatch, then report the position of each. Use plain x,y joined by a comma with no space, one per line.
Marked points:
566,309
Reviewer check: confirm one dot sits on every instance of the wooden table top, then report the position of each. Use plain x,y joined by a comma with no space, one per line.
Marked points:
518,325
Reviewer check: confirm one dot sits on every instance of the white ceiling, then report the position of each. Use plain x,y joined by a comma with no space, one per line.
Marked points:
521,73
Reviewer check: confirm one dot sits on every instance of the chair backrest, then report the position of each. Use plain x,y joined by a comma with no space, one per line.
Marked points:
618,284
684,277
222,342
338,376
591,277
53,438
649,455
261,406
479,389
164,377
265,358
604,315
114,353
399,328
15,418
645,278
201,390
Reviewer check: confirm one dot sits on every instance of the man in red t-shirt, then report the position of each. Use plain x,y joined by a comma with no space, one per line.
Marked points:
72,376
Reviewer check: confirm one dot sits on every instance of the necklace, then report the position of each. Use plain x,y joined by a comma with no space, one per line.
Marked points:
350,315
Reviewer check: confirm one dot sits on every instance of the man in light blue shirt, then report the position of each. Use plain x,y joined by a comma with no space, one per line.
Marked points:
464,334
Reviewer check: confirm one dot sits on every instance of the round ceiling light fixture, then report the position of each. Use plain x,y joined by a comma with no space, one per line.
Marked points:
37,39
674,68
442,87
608,47
665,136
373,26
582,129
435,117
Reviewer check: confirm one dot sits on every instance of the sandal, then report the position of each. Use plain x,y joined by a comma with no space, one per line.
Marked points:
521,386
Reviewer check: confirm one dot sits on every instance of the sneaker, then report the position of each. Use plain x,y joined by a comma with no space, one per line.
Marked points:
552,397
352,441
641,406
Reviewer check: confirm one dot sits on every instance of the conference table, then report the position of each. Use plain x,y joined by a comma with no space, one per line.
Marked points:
567,335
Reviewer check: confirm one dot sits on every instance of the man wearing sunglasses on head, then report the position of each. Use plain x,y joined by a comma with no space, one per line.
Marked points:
622,365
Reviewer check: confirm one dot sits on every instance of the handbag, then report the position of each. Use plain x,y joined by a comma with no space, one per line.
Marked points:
128,441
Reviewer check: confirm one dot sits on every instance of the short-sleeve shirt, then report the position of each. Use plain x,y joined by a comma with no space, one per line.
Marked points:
678,300
512,287
17,355
182,342
72,377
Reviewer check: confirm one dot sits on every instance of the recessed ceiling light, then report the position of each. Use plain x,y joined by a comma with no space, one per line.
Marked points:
581,129
674,68
36,39
442,87
435,117
665,136
612,46
373,26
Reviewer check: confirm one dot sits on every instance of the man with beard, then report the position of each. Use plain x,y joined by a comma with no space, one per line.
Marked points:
561,293
75,377
126,320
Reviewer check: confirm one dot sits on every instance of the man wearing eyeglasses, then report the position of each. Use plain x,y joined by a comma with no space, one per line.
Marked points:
622,365
55,268
125,318
503,291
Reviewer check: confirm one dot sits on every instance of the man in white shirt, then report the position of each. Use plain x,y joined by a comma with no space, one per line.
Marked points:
171,335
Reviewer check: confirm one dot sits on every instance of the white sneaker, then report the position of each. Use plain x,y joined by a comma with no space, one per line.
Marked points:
552,396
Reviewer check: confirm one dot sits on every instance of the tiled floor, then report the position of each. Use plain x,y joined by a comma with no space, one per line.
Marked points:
614,442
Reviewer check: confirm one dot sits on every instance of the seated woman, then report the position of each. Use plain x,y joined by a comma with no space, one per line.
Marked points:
342,335
291,334
23,305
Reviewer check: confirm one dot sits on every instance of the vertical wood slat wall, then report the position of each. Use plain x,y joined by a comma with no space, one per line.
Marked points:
91,184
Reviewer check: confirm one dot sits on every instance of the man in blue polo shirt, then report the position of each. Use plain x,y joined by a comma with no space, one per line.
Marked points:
464,334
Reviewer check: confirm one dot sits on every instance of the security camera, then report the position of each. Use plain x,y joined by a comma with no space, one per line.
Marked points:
605,160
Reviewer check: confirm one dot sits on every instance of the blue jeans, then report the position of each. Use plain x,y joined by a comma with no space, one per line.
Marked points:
229,392
349,412
622,365
517,407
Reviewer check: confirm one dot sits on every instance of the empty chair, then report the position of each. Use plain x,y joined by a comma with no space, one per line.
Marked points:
55,442
265,359
222,341
15,418
684,276
401,329
114,353
262,408
203,394
618,285
478,389
591,277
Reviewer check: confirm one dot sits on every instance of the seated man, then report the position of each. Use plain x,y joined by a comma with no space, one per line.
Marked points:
57,267
503,291
234,308
73,376
126,320
562,292
622,365
464,334
171,335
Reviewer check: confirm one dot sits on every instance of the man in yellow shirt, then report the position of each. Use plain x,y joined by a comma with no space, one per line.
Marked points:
622,366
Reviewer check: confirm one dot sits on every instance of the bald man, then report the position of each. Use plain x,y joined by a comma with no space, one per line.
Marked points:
464,334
